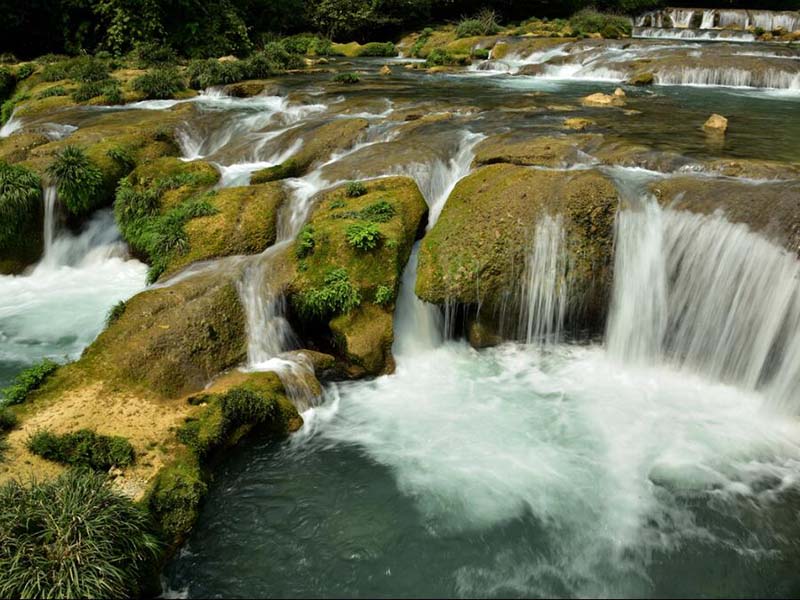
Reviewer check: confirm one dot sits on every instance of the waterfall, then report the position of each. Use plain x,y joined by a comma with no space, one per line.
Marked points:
12,125
544,290
704,35
708,19
707,296
730,77
681,17
50,200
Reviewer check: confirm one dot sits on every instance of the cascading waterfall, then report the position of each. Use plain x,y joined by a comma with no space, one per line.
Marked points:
730,77
11,126
708,19
707,296
50,200
544,289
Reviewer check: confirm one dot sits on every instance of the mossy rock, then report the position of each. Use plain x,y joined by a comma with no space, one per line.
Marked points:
17,147
519,148
362,338
475,254
245,223
194,177
645,78
172,340
319,141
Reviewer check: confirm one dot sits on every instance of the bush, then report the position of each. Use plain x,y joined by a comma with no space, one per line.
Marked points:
305,242
347,78
56,71
122,156
160,84
109,88
423,38
384,295
8,420
20,202
29,380
589,21
337,296
277,55
355,189
25,71
154,54
56,90
116,312
83,448
79,180
73,537
484,23
363,236
378,49
480,53
207,73
469,28
442,58
88,68
307,43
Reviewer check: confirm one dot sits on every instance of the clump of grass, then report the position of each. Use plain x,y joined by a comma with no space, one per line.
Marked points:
305,242
355,189
442,58
307,43
420,42
363,236
78,179
207,73
336,296
28,381
20,198
8,419
386,49
160,83
116,312
348,78
83,448
153,54
88,68
24,71
56,71
122,155
378,212
108,88
589,20
72,537
384,295
484,23
56,90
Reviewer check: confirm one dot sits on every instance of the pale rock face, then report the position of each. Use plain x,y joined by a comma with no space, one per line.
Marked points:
716,124
600,99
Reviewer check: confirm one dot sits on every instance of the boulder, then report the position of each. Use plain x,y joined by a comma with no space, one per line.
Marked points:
716,124
385,70
643,78
578,124
605,100
523,148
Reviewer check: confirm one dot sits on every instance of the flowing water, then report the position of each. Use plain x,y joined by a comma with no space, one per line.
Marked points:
660,460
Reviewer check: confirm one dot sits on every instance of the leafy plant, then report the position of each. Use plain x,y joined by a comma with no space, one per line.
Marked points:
590,20
83,448
378,212
122,156
116,312
336,296
79,180
56,71
355,189
160,83
8,419
56,90
87,68
386,49
480,53
28,381
384,295
72,537
20,197
110,88
420,42
348,78
305,242
363,236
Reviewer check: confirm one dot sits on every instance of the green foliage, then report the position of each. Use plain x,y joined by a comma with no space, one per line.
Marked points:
347,78
207,73
122,156
160,83
386,49
20,201
116,312
109,88
336,296
25,71
78,179
378,212
88,68
9,105
56,90
56,71
4,447
8,419
83,448
484,23
423,38
480,53
363,236
305,242
442,58
355,189
276,55
307,43
28,381
610,26
176,497
154,54
72,537
384,295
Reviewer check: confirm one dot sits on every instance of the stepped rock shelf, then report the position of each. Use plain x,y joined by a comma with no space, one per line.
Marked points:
523,319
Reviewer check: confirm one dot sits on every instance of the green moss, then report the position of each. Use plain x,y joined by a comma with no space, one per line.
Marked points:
108,88
83,448
386,49
28,381
336,296
175,498
442,58
285,170
52,91
420,42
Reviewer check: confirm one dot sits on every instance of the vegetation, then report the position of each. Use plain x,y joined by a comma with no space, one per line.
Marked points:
378,49
355,189
116,312
484,23
363,236
83,448
8,420
384,295
160,83
56,90
108,88
420,42
336,296
79,181
609,26
28,381
347,78
305,242
442,58
72,537
20,200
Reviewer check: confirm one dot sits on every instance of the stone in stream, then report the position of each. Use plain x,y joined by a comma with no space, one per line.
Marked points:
716,124
578,123
605,100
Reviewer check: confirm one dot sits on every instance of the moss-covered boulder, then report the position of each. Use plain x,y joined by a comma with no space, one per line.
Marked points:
348,261
319,141
17,147
520,148
476,252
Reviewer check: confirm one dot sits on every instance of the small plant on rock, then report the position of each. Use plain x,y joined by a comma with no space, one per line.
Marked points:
29,380
83,448
305,242
384,295
348,78
20,197
355,189
336,296
79,181
363,236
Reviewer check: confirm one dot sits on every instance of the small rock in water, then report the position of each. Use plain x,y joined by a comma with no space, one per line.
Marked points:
601,99
716,124
385,70
619,93
577,123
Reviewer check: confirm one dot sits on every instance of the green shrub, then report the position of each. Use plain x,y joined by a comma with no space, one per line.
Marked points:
8,419
56,71
443,58
154,54
305,242
276,54
306,43
480,53
423,38
469,28
83,448
25,71
160,83
207,73
590,20
79,180
88,68
378,212
56,90
384,295
363,236
348,78
28,381
355,189
484,23
122,156
116,312
72,537
110,88
386,49
337,296
20,202
8,58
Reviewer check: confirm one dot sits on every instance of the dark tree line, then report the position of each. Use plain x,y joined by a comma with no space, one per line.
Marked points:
199,28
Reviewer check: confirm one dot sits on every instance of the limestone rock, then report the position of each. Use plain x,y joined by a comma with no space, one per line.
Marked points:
604,100
716,124
578,124
385,70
